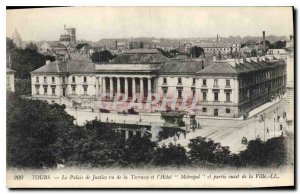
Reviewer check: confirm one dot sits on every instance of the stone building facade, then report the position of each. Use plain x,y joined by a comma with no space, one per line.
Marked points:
226,88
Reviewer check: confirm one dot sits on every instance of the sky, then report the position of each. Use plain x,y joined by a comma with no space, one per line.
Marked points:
95,23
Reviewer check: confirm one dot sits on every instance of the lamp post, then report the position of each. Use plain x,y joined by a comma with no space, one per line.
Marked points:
255,126
76,115
264,117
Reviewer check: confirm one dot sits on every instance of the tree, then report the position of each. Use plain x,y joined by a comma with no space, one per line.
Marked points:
102,56
24,61
32,46
32,130
22,86
205,150
173,155
259,153
97,145
279,44
139,150
10,44
196,51
79,46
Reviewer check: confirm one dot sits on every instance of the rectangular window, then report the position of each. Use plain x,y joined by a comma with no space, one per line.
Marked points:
179,93
227,110
73,89
45,90
53,79
53,91
216,96
227,97
73,79
37,79
84,79
204,82
194,81
37,89
64,79
215,82
179,80
204,96
204,109
45,79
165,80
227,82
165,90
85,90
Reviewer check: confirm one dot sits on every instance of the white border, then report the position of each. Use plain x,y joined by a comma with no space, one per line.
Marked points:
5,3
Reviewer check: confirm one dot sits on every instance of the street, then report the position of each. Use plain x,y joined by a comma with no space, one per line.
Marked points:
228,132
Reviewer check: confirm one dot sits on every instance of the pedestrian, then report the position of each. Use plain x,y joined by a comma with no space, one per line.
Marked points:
184,134
267,130
178,134
280,126
199,125
175,139
193,128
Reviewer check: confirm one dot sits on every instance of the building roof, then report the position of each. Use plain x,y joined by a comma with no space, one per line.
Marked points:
213,45
140,56
8,70
72,66
183,66
219,68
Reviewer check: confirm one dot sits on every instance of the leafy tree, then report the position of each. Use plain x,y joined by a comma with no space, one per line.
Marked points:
196,51
10,44
22,86
279,44
102,56
202,149
97,146
173,155
79,46
139,150
259,153
32,46
32,130
24,61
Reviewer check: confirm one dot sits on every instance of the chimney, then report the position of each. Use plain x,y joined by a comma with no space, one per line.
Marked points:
214,58
264,42
116,45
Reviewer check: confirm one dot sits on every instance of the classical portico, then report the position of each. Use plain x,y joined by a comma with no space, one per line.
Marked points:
132,74
129,86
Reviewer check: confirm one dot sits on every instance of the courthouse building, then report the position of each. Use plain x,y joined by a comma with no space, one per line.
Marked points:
226,88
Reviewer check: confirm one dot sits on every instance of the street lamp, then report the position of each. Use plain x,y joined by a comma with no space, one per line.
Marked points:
76,114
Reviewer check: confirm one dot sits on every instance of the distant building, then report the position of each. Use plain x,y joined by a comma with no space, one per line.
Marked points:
219,48
10,79
276,52
252,51
17,39
69,38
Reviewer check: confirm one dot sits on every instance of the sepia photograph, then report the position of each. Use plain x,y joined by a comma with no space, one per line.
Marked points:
150,97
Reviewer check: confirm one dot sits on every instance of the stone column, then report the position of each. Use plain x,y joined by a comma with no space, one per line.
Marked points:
111,91
133,88
126,88
103,85
118,85
149,88
141,88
